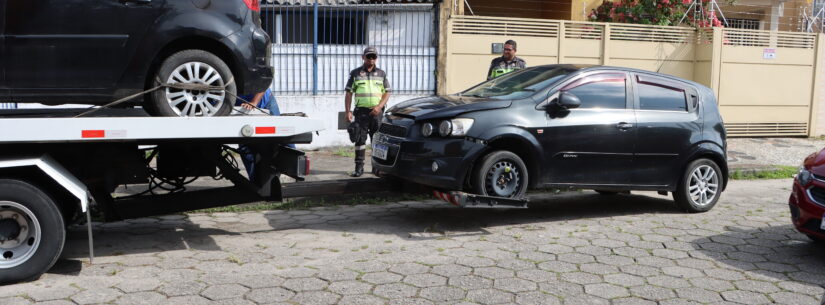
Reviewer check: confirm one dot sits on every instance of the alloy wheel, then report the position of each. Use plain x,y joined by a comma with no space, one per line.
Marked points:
703,185
195,102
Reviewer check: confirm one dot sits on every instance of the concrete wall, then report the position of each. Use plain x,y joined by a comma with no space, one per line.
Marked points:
326,108
758,95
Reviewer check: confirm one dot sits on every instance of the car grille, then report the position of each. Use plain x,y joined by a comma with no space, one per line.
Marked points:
818,195
393,130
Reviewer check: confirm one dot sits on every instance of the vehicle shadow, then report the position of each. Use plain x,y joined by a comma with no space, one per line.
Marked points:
434,219
777,252
134,237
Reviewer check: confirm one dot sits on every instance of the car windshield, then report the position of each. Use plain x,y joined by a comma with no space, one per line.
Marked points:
519,84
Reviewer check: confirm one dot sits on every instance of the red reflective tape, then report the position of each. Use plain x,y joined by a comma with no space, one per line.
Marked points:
265,130
92,133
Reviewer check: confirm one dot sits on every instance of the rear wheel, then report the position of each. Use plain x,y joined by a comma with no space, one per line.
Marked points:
700,186
32,232
500,174
193,67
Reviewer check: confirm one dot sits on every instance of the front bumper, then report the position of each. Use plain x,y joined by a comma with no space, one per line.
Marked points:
807,210
412,159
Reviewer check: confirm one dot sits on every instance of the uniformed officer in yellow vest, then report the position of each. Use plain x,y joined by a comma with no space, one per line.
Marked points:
371,89
508,62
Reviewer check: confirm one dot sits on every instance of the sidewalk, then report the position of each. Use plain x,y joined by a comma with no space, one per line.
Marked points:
743,154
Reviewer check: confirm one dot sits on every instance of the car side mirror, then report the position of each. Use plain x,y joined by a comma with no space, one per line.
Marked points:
568,100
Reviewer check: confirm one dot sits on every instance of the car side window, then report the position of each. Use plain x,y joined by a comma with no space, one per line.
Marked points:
605,91
665,96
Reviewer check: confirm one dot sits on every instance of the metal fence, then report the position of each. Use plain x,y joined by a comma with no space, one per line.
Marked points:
315,45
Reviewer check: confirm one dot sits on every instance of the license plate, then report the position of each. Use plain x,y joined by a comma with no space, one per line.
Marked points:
379,151
822,223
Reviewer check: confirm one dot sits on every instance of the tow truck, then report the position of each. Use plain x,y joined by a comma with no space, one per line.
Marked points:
56,167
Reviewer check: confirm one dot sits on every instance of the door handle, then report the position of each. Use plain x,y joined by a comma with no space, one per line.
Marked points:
624,126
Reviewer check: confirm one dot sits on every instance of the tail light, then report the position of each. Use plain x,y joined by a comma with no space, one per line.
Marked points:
254,5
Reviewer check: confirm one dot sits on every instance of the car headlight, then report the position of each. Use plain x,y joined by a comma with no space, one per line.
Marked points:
455,127
804,177
445,128
427,129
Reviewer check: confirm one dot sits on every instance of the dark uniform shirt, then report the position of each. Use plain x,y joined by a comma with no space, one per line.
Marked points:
501,63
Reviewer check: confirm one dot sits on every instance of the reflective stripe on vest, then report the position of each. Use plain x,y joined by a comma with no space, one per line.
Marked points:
368,91
499,72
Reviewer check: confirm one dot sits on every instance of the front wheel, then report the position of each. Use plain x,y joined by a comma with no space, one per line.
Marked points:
199,68
500,174
32,232
700,186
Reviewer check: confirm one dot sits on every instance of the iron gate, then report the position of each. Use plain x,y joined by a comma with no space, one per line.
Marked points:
315,45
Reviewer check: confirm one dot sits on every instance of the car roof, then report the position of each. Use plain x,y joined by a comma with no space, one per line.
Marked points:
585,68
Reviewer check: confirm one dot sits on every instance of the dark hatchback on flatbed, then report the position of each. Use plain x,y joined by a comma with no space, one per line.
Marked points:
565,126
94,52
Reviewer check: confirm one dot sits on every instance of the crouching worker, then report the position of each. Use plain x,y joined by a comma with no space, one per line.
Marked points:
262,100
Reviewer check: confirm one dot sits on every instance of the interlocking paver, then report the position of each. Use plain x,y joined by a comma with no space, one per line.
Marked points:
743,251
361,300
381,278
264,295
316,298
224,291
99,295
536,298
607,291
425,280
451,270
395,291
304,284
140,298
181,288
442,294
489,296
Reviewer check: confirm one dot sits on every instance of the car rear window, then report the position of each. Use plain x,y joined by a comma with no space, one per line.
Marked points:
660,96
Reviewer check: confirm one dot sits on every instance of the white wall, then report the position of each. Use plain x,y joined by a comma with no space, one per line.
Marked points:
326,109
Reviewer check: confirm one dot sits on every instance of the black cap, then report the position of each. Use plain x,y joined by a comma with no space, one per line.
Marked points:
370,50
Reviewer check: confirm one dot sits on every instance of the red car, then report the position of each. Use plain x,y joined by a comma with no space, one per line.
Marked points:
807,200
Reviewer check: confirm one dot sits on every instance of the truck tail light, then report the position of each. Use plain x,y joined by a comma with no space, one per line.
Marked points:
253,5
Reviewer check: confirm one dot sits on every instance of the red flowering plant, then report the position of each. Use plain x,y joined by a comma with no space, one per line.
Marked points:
656,12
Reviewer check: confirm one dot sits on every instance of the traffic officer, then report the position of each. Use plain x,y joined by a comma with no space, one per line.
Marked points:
371,88
508,62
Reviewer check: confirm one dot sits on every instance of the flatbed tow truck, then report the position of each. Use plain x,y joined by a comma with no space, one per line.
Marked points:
55,167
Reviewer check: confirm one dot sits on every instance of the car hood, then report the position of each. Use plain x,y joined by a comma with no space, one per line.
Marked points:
444,106
815,162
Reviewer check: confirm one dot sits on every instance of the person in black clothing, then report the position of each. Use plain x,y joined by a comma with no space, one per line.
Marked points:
508,62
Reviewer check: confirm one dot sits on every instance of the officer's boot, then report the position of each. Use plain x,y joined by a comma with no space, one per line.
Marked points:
359,162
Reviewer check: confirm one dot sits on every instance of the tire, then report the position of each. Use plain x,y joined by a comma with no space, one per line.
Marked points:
206,68
606,193
45,233
703,178
492,167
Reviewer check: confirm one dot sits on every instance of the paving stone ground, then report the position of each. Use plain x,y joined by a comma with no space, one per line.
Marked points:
572,248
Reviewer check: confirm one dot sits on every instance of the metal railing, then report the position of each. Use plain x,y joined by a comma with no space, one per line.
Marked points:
316,45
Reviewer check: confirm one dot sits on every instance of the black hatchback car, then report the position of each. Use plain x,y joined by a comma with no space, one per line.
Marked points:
95,52
564,126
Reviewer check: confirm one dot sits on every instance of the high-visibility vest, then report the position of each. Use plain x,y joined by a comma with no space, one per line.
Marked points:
500,71
368,91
